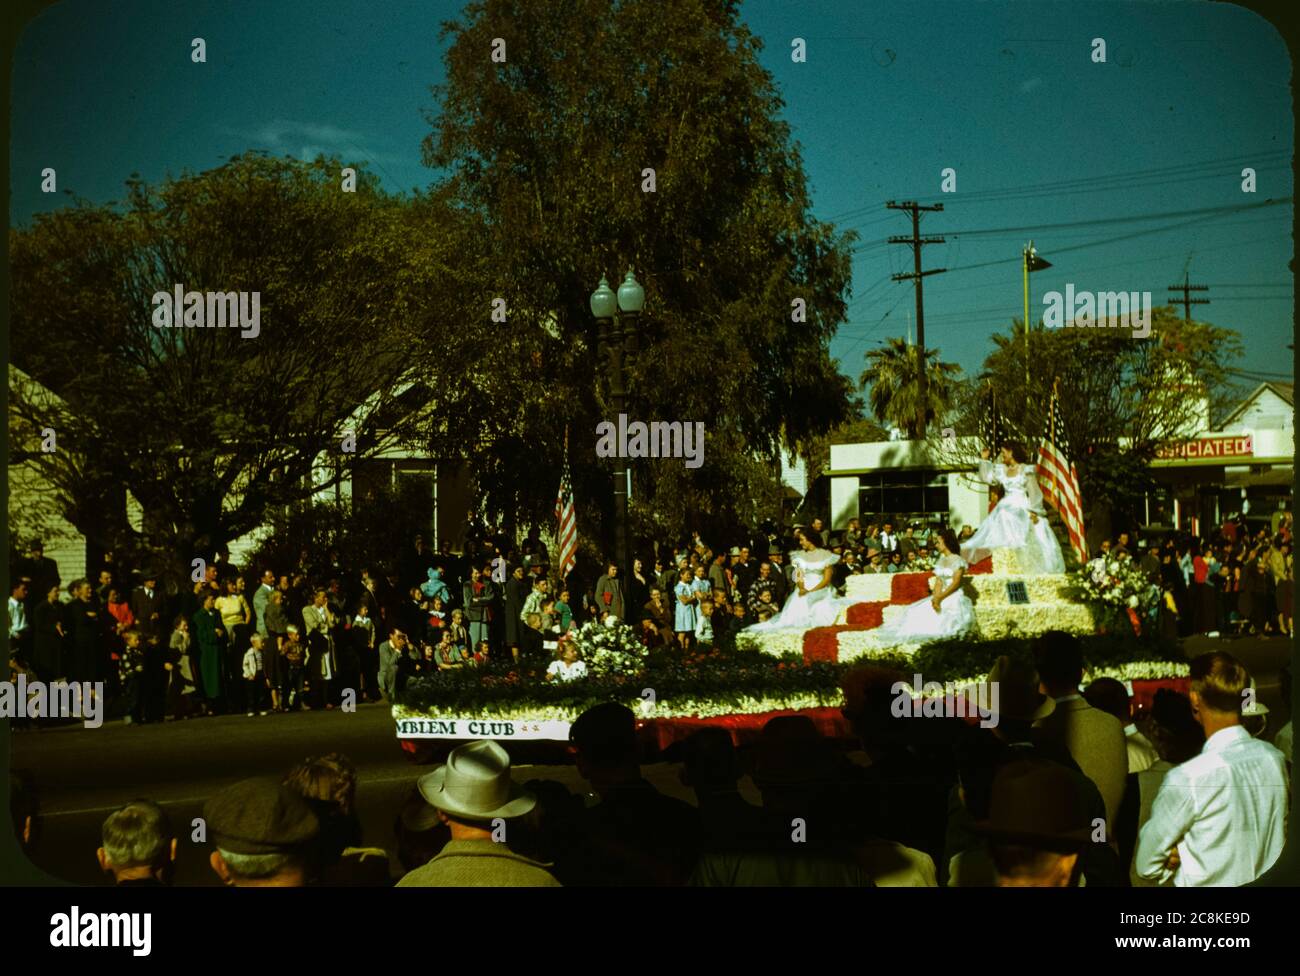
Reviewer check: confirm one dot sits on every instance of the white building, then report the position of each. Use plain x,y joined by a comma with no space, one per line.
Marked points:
907,481
1245,464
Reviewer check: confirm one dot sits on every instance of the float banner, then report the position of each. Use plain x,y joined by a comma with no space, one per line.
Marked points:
481,728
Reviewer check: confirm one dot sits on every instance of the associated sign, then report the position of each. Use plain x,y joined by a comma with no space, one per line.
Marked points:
1230,446
481,728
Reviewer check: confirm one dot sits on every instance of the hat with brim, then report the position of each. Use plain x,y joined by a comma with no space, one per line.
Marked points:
1011,691
475,784
1037,803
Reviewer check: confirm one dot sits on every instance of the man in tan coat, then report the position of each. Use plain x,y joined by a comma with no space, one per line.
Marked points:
474,795
1094,739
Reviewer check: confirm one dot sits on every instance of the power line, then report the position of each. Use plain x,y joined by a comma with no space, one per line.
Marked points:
1154,173
1126,219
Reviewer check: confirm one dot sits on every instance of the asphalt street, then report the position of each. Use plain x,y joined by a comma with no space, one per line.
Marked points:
84,774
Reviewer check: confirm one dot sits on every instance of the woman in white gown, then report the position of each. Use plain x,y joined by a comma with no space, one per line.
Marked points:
814,603
1018,521
946,612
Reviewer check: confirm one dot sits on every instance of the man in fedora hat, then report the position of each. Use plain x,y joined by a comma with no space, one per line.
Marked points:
148,607
1037,827
471,793
263,832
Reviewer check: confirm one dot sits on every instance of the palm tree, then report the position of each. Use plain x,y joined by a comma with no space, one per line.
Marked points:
893,373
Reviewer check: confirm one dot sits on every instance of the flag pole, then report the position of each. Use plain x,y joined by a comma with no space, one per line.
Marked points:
1051,421
1024,261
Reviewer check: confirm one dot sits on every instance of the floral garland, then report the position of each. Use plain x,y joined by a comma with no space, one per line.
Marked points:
611,648
1116,583
729,682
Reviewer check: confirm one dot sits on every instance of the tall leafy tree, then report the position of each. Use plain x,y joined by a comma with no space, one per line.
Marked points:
1122,399
553,152
893,375
208,430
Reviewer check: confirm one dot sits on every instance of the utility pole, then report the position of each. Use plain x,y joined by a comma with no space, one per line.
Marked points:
917,242
1187,300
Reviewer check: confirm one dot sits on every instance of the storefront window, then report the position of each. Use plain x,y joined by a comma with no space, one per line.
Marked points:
921,495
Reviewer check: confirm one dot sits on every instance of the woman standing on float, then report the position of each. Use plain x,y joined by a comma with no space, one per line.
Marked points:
1018,521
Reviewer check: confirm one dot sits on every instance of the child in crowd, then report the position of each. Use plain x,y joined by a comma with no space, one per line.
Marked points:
481,654
365,628
130,669
684,623
428,662
550,619
458,632
180,665
569,666
701,585
255,682
564,611
763,603
449,655
294,654
437,615
704,626
530,638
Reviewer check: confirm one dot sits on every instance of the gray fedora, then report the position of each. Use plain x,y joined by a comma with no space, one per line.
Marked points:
475,784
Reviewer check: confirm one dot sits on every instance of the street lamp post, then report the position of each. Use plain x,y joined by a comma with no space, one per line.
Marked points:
616,317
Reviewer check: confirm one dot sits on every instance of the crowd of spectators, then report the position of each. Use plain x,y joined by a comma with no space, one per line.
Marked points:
320,635
1230,581
1070,786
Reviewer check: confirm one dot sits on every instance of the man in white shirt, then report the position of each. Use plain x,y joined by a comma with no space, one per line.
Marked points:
888,540
17,615
1219,818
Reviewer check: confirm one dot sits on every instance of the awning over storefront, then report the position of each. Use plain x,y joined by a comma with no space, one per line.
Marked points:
1275,478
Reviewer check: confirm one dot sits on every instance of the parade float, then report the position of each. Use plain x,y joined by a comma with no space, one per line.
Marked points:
1108,604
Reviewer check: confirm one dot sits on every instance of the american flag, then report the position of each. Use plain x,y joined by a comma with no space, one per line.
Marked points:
567,535
1059,480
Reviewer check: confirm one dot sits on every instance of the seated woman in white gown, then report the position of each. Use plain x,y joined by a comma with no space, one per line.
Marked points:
1018,521
946,612
814,603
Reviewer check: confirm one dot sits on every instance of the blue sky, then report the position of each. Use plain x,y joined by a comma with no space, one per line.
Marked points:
891,94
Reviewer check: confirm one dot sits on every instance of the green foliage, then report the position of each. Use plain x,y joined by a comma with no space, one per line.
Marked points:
546,157
223,429
1122,399
893,374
